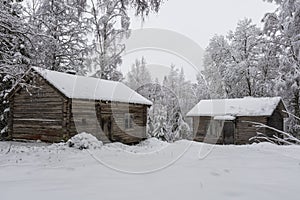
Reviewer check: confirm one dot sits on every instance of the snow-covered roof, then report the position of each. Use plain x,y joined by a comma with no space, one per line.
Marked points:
248,106
80,87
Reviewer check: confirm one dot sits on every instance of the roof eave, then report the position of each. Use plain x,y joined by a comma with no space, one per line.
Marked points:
227,114
86,99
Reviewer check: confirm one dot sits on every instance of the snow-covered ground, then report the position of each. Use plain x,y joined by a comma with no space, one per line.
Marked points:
150,170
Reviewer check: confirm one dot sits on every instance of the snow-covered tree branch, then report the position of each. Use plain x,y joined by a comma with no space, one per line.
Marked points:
282,137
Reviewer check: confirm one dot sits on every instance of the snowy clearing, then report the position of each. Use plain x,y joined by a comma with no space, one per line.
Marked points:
149,171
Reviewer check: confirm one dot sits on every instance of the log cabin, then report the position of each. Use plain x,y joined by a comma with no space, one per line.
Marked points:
52,106
229,121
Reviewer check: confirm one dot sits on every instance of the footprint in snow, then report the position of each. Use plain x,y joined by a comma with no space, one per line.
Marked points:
215,174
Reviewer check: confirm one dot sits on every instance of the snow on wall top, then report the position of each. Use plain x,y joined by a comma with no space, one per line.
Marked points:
80,87
248,106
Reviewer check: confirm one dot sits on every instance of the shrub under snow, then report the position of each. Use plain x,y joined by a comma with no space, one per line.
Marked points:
84,141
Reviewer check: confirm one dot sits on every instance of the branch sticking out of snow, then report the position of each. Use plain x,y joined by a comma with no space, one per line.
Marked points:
288,139
274,140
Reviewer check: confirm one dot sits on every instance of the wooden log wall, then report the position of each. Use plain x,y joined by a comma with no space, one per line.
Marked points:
118,111
37,113
245,130
86,117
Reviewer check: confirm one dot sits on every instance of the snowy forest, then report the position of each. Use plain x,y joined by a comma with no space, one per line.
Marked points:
172,99
85,35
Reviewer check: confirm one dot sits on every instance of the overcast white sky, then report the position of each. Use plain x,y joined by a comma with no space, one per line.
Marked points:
198,20
201,19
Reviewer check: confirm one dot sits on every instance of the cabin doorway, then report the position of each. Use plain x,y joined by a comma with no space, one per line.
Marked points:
228,132
106,125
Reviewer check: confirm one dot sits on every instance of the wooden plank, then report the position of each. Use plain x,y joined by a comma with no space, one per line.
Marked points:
47,132
38,104
39,99
26,114
16,125
36,109
37,137
36,121
38,115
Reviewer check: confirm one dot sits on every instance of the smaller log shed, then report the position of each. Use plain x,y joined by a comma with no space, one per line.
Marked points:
55,106
227,121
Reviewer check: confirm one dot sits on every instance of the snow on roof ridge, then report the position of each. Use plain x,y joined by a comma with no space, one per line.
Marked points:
246,97
249,106
81,87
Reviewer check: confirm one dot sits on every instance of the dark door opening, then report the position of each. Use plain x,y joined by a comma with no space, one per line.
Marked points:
228,132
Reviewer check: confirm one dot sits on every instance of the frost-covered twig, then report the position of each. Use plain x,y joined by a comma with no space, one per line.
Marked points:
291,115
287,137
260,137
283,141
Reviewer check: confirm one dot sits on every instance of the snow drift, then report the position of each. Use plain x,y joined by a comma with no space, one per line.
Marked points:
84,141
